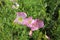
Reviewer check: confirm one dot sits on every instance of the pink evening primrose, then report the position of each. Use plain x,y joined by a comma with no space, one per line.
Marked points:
36,24
20,17
33,24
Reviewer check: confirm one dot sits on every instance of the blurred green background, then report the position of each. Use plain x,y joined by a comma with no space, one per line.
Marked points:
46,10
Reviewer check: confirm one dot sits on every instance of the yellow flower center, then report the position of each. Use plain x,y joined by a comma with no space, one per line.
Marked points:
20,19
29,21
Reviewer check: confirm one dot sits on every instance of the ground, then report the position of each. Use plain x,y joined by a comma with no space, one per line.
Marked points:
46,10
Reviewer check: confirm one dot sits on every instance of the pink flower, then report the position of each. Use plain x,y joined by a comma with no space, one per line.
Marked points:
36,24
20,17
33,24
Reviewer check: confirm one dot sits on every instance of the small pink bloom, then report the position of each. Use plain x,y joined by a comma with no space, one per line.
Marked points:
20,17
36,24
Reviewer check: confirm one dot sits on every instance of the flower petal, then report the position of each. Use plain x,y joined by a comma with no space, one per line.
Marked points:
47,37
40,23
21,14
30,33
34,28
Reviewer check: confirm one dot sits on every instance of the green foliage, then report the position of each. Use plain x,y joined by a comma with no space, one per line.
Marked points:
46,10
